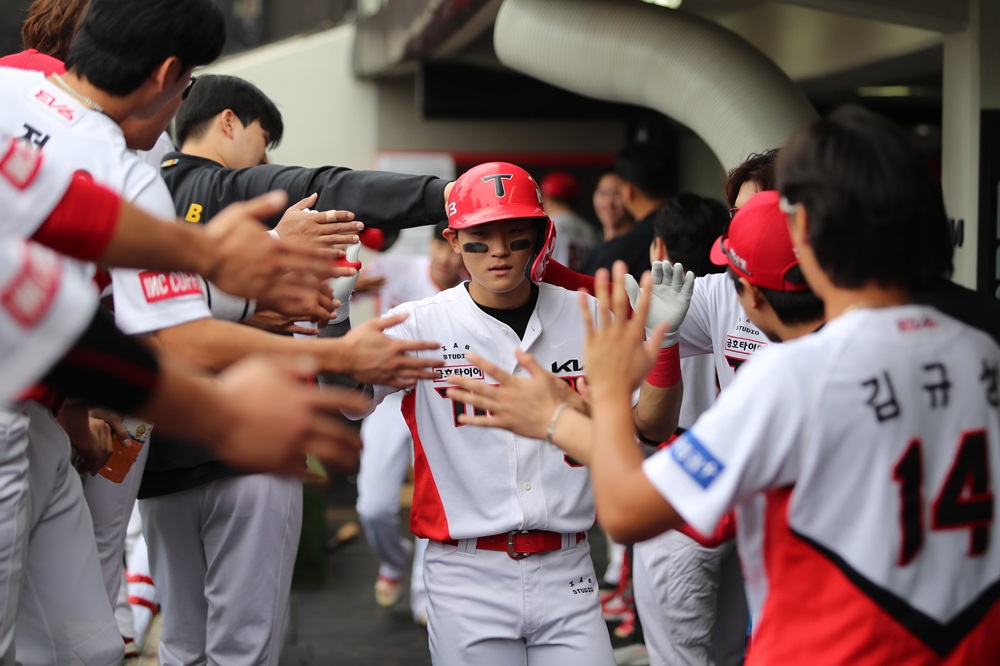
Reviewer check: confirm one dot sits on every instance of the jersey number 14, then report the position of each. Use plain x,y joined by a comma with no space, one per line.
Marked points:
964,502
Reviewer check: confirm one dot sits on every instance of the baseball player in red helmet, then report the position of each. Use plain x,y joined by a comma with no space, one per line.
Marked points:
508,570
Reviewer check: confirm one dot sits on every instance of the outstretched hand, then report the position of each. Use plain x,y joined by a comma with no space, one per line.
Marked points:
300,224
376,358
523,405
672,289
615,351
245,261
278,418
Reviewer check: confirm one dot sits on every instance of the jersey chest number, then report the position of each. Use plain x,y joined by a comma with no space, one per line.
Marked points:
964,501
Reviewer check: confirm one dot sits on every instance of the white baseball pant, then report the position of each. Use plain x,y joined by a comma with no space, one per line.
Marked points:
14,522
690,601
488,609
222,556
64,615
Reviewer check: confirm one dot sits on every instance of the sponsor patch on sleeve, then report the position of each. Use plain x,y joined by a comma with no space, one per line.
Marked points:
20,163
696,460
29,294
158,286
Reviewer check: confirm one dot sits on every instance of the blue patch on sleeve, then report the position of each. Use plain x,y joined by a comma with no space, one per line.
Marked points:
695,459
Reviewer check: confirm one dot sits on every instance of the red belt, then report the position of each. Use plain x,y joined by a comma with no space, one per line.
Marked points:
519,544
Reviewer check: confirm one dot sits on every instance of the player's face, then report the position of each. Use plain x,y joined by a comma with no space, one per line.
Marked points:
496,254
446,265
249,145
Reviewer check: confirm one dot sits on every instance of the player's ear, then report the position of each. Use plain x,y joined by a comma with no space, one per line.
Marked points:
226,121
451,235
166,73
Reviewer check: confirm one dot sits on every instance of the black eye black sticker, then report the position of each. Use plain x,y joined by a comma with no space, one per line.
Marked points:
520,244
476,248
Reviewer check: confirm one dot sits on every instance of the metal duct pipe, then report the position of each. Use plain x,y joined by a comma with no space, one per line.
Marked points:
690,69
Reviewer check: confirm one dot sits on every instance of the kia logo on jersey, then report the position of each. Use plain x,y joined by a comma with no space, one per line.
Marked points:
572,365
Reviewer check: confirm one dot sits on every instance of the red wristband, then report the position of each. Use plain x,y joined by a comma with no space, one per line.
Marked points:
667,370
83,222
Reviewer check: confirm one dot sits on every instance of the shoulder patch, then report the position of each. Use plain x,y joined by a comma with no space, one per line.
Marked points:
20,163
696,460
29,294
168,163
158,286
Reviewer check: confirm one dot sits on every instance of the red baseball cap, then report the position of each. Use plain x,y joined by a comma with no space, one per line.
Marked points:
561,185
33,60
757,246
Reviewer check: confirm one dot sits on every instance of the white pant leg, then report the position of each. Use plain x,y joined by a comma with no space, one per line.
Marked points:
487,609
111,507
616,557
64,616
250,531
385,460
418,590
142,597
171,525
123,611
677,592
14,522
732,613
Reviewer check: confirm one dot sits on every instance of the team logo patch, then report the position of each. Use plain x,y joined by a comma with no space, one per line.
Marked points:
695,459
29,295
467,371
910,324
157,286
60,108
20,164
169,163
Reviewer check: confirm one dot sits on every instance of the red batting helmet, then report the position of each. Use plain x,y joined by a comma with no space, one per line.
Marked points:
501,191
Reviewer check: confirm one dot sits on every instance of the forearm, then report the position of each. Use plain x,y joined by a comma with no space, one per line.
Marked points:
627,504
187,406
214,344
573,433
143,241
657,411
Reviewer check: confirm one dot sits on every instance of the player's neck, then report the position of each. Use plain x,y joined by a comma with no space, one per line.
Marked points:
509,300
116,108
204,149
839,301
786,332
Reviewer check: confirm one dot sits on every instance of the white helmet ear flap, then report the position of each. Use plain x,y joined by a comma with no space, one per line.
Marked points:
541,262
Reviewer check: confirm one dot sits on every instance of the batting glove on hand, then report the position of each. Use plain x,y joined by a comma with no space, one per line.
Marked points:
343,287
672,289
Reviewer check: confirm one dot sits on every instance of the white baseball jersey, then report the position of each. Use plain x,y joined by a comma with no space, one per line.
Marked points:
470,481
574,239
30,187
874,444
716,324
43,309
81,139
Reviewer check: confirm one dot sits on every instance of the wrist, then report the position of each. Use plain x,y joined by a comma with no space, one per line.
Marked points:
554,421
666,370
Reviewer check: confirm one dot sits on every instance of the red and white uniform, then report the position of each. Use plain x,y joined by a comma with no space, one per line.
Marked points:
485,607
62,556
873,442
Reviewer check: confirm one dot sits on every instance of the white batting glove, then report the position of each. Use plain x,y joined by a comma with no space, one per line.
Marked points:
672,289
343,287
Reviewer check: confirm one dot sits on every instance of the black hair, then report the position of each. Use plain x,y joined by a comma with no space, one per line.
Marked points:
121,42
213,94
650,168
876,211
688,224
791,307
756,168
439,231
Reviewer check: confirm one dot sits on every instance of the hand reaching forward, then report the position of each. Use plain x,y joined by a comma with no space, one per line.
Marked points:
523,405
672,289
275,419
615,353
299,224
375,358
246,261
